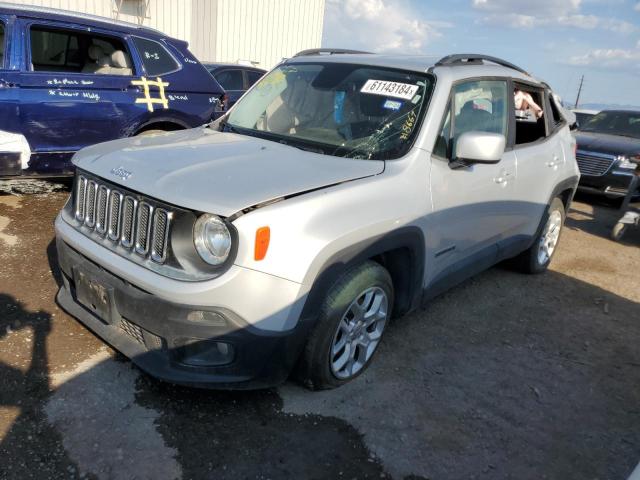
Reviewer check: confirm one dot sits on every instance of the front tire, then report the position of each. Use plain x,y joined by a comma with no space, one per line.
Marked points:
538,257
352,319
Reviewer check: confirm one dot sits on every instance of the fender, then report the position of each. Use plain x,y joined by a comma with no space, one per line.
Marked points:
406,240
570,183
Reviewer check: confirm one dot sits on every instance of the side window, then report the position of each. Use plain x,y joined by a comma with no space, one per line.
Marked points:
230,79
55,50
155,57
1,44
530,115
253,77
477,106
70,51
555,117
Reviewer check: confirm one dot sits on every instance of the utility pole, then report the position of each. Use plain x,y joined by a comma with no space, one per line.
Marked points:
579,91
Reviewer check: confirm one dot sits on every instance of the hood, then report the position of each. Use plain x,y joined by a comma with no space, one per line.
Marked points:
606,143
221,173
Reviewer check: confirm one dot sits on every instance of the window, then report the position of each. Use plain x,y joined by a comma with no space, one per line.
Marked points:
478,106
530,116
155,57
58,50
1,44
230,79
336,109
253,77
555,116
623,123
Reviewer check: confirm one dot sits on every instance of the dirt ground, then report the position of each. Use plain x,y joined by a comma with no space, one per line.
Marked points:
505,376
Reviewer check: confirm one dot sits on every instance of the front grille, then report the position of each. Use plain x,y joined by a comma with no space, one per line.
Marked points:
123,218
132,330
593,163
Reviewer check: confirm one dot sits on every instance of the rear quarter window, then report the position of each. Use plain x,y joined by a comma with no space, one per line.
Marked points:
155,57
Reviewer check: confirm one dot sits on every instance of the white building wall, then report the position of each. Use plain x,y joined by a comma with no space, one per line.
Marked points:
260,31
266,31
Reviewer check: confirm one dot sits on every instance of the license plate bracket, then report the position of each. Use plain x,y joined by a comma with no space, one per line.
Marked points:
93,295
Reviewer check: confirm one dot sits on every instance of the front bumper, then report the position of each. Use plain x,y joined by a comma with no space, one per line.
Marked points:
612,184
151,331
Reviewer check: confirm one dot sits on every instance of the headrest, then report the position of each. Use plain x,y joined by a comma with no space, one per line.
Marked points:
120,60
95,52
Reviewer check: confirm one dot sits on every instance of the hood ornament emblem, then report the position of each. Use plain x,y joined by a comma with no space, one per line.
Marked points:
121,173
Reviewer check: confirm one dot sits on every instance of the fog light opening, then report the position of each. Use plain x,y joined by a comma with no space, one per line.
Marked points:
204,353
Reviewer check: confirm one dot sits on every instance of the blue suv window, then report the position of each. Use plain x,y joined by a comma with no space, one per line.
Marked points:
230,79
59,50
1,44
155,58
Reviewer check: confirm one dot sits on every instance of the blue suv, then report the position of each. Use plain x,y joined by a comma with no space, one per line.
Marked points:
71,80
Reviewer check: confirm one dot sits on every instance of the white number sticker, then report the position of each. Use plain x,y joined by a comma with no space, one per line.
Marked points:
390,89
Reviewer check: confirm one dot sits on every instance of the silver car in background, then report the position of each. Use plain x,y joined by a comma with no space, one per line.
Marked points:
342,190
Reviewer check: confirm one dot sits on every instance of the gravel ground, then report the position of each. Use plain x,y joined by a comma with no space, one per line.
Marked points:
505,376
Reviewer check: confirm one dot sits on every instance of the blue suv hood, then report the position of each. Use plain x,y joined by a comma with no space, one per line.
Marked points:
221,173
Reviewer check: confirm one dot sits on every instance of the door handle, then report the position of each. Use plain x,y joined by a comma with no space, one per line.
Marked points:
503,178
554,163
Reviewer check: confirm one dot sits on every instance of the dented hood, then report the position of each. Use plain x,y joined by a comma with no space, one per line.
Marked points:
221,173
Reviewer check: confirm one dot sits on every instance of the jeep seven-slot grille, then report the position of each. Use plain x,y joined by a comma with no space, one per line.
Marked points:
594,163
123,218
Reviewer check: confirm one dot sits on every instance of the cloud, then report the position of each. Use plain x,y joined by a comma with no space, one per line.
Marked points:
535,8
543,13
378,25
608,57
637,7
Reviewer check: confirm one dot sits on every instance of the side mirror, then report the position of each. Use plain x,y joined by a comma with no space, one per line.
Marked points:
480,147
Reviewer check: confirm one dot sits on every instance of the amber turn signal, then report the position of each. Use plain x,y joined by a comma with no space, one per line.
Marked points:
263,235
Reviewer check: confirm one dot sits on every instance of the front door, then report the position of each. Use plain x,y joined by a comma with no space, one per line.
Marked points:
473,205
73,92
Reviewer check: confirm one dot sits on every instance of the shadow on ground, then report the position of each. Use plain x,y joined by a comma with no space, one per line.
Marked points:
513,388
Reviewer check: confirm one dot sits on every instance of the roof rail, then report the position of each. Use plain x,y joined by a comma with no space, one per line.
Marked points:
327,51
78,15
470,58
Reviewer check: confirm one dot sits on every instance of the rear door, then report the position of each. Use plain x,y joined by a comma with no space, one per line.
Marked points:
68,99
14,150
540,157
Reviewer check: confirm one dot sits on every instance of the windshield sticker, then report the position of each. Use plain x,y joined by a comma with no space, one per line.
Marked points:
390,89
145,84
407,126
392,105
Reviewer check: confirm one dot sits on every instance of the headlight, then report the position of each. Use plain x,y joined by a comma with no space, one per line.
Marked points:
628,163
212,239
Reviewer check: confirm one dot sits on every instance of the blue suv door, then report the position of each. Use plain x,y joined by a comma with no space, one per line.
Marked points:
75,90
14,151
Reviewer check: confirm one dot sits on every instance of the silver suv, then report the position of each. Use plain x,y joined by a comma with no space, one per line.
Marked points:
342,190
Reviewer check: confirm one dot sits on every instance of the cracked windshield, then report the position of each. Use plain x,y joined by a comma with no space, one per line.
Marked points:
336,109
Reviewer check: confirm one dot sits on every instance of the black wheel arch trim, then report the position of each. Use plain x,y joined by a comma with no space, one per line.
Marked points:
409,238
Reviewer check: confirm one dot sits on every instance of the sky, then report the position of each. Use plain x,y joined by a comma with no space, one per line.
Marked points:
556,40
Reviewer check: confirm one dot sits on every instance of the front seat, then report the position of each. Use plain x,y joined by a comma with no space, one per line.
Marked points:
120,63
99,63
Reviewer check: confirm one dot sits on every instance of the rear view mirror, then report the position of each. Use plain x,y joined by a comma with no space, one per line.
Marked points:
480,147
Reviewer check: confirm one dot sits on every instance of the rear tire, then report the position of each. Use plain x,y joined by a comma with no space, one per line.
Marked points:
537,258
351,323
